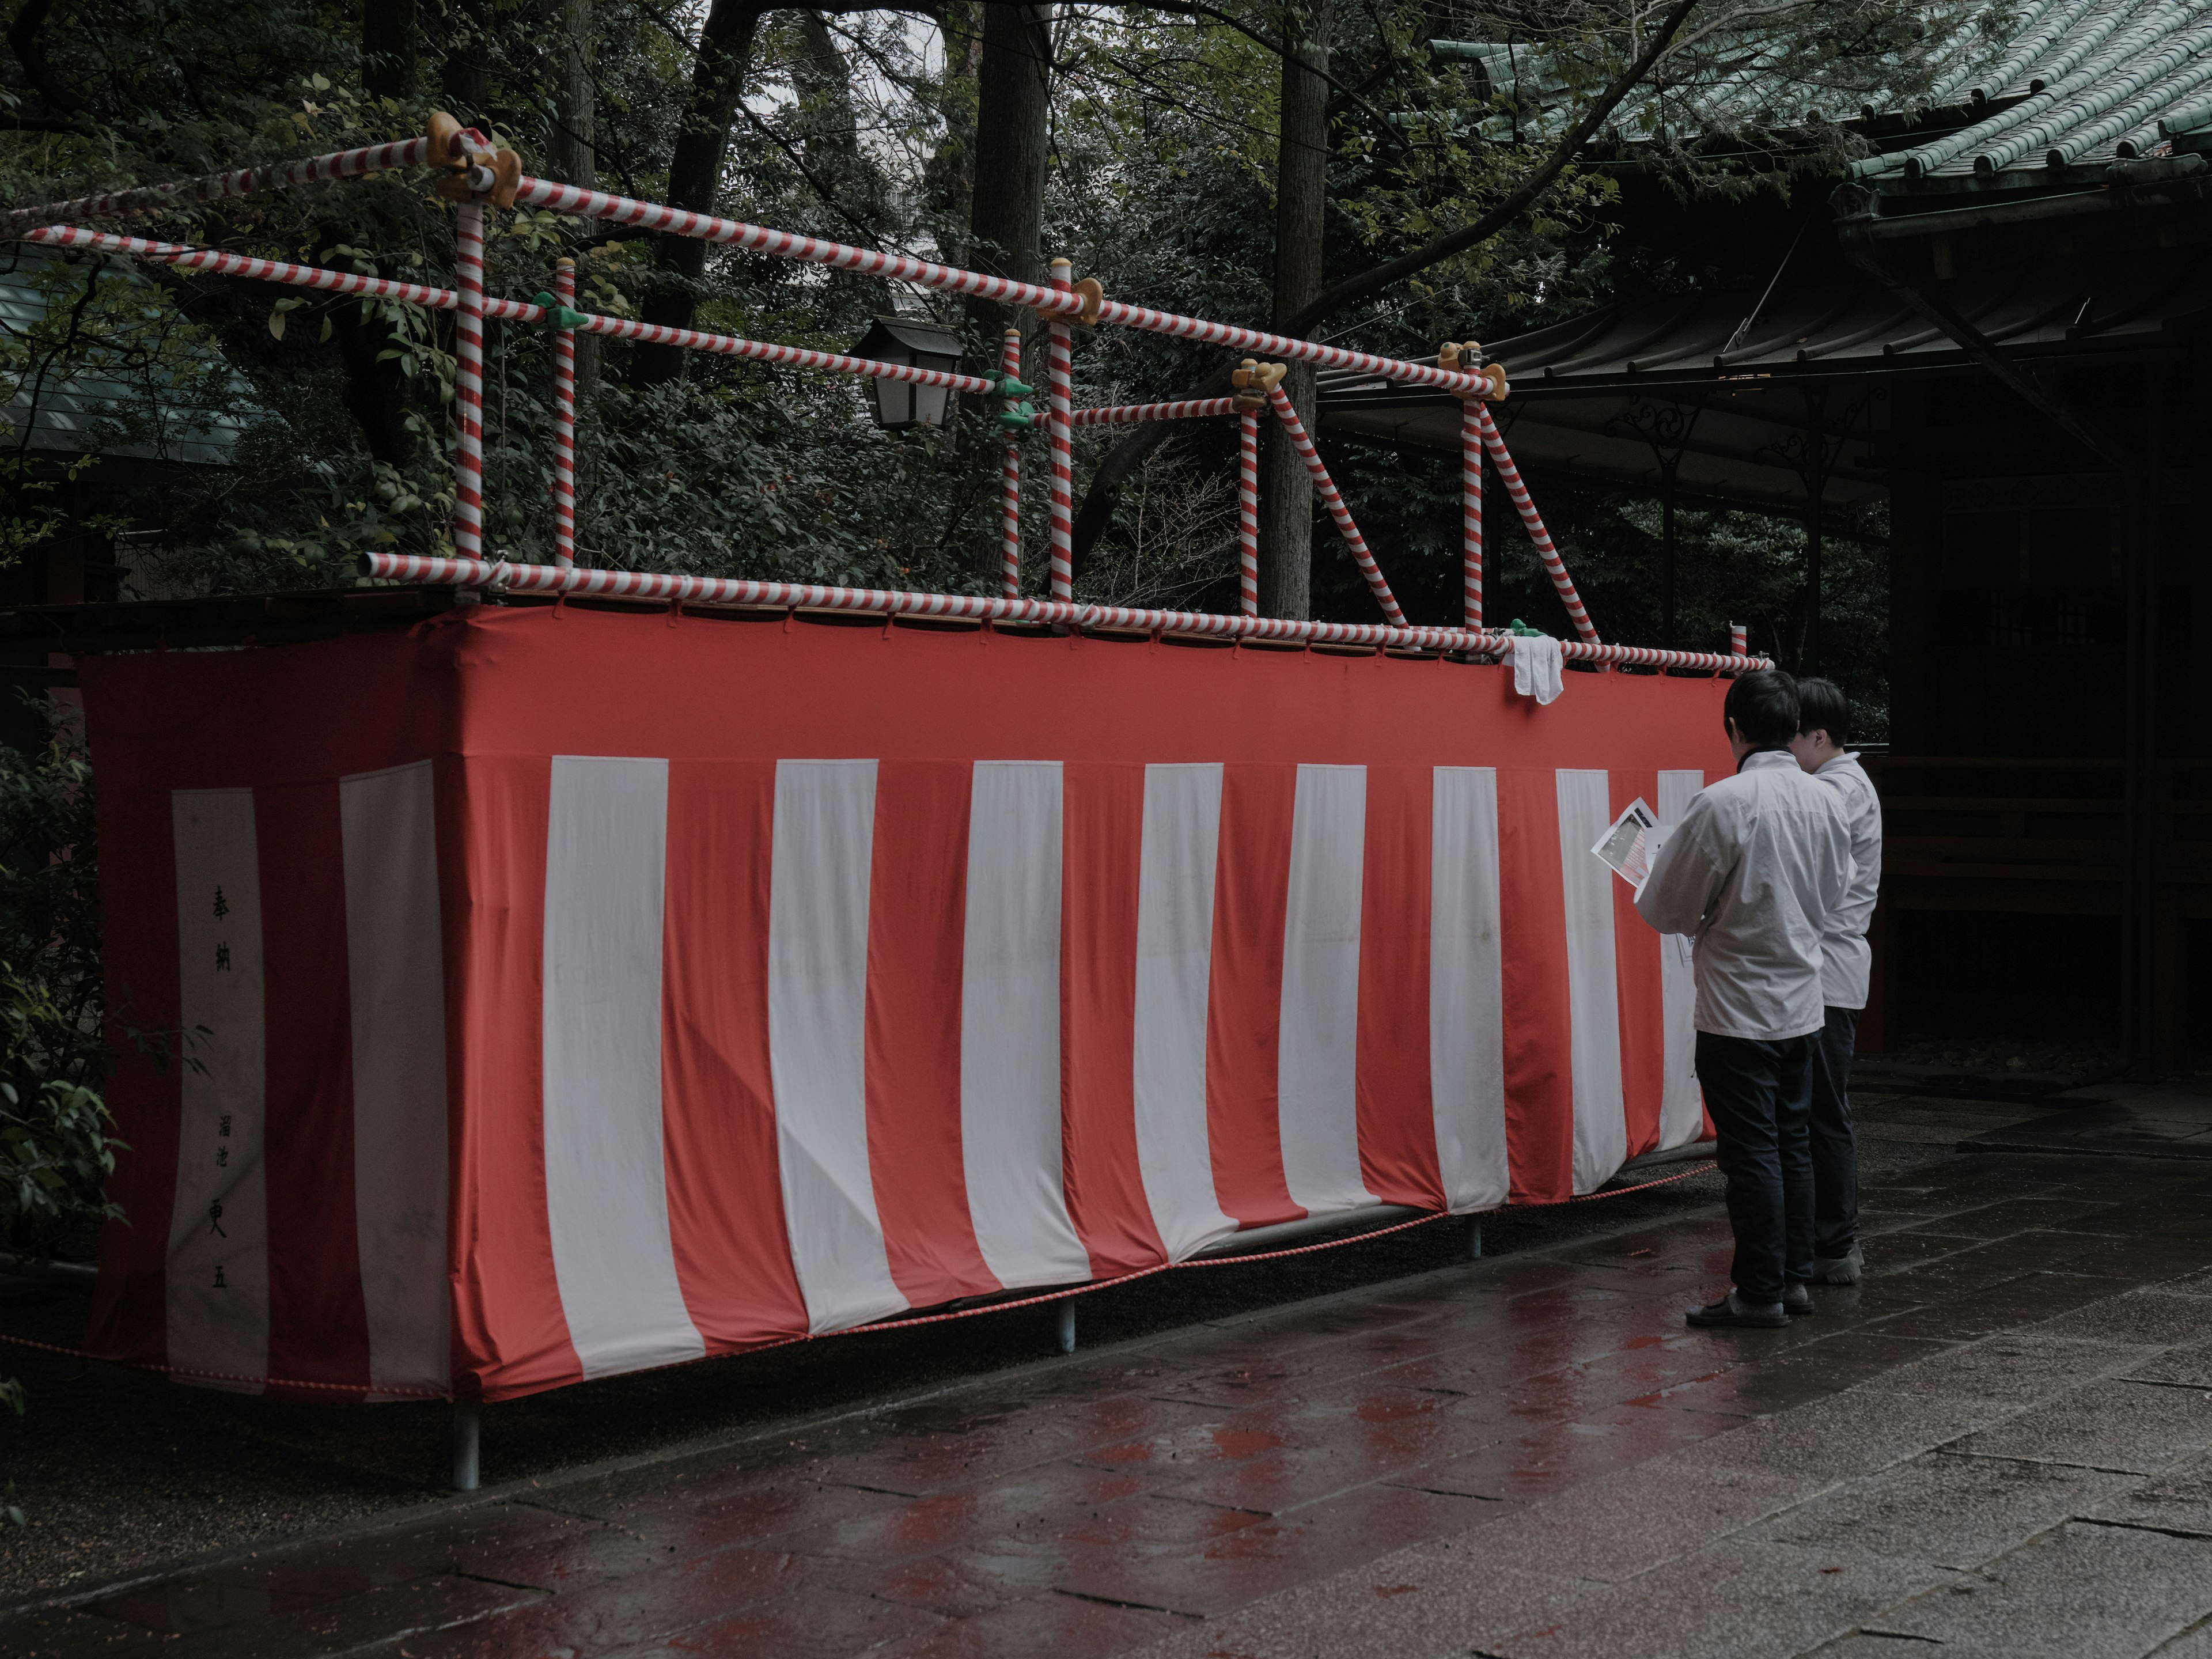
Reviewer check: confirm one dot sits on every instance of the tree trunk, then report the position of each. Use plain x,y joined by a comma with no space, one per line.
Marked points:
572,155
1013,92
949,176
1287,496
463,71
388,30
695,174
1005,220
829,144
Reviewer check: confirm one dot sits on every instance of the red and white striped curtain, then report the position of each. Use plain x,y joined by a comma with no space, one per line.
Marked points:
567,993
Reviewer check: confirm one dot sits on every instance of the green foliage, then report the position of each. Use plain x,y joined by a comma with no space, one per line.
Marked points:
54,1147
860,126
55,1144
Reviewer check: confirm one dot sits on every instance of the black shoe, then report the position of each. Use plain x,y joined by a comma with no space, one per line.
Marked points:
1845,1269
1731,1312
1796,1301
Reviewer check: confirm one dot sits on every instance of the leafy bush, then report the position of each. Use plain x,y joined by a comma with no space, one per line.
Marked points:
56,1144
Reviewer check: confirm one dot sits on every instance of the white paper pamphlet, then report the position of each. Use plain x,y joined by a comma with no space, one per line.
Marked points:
1626,849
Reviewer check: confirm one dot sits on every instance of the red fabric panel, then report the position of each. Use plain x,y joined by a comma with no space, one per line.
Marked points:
1397,1125
1643,1012
130,1315
510,1336
1102,848
1540,1102
917,908
718,1107
318,1321
1243,1008
489,692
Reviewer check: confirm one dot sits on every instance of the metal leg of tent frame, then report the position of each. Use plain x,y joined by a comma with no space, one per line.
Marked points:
1474,1238
1064,1323
468,1420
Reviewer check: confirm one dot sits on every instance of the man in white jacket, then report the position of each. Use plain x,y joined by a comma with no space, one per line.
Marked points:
1846,963
1750,873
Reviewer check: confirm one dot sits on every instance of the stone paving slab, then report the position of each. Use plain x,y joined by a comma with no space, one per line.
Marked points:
1526,1455
2071,1591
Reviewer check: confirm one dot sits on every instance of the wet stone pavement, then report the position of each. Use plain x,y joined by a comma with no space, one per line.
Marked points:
2000,1444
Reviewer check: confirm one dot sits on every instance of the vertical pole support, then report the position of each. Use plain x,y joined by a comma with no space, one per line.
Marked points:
468,384
1738,640
1063,1323
1470,517
468,1421
564,423
1061,405
1474,1238
1248,511
1009,483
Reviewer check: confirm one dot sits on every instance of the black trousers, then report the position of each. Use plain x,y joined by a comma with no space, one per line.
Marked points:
1835,1141
1760,1097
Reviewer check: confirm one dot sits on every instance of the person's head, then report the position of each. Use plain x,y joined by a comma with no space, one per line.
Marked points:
1823,717
1760,713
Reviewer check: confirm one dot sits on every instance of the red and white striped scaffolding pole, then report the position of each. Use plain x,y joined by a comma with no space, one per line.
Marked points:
1009,482
1337,510
1738,640
564,421
1470,514
1454,356
1549,554
1060,404
1248,510
468,384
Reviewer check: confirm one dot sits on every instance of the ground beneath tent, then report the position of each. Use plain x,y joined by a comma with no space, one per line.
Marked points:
1999,1443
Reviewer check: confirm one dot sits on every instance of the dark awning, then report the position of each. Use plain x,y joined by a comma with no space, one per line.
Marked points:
1754,412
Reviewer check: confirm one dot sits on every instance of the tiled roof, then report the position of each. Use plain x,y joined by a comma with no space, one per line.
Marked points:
2066,88
117,401
2074,84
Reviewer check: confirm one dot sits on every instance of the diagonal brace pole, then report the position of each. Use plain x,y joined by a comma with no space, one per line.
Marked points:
1337,510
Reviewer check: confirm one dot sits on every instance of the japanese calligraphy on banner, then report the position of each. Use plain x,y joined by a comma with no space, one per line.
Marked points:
218,1264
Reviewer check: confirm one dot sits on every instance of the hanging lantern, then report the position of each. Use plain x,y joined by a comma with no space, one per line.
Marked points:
915,344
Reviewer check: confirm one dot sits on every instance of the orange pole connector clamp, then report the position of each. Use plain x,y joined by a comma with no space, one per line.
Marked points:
475,171
1456,357
1254,381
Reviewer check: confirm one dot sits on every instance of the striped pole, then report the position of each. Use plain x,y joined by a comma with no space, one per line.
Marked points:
1334,502
904,268
1470,513
1061,402
564,422
1131,414
1248,511
218,186
445,299
1519,491
1009,482
468,384
1738,640
502,576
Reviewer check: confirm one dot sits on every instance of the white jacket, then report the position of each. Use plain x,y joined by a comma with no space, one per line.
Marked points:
1751,873
1847,960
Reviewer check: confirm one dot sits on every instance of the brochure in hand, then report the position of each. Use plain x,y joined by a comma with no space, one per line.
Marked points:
1632,841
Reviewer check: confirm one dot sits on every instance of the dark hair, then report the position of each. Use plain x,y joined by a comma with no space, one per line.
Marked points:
1763,707
1822,706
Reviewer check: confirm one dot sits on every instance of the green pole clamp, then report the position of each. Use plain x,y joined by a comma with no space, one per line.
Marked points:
1516,626
556,314
1016,417
1006,386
